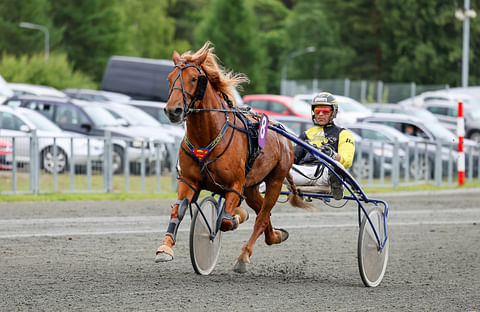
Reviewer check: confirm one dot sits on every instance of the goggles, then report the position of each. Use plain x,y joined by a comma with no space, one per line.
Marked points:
324,110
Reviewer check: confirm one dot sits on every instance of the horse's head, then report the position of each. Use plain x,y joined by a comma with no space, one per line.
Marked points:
188,83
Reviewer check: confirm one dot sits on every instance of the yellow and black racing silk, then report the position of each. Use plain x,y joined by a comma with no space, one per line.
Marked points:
339,138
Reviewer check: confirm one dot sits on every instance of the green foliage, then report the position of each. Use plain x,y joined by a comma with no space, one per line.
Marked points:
56,72
271,16
149,32
310,26
17,40
91,32
231,26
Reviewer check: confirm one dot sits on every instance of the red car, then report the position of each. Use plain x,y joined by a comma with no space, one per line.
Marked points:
5,155
274,105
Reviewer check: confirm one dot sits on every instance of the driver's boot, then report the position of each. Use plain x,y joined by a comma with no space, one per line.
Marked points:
336,186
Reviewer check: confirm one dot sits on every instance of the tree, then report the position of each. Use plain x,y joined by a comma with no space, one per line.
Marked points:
271,16
232,28
308,26
149,31
17,40
92,32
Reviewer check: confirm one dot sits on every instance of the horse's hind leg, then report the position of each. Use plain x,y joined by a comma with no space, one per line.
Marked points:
262,222
184,198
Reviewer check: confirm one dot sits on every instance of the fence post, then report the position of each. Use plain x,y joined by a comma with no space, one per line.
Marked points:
438,163
379,91
346,87
14,166
395,165
72,165
363,91
55,164
413,91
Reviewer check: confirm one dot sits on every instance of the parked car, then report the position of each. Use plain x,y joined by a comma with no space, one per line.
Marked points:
17,125
131,116
447,114
92,120
139,78
360,170
5,155
274,105
96,95
403,109
349,110
425,134
39,90
448,96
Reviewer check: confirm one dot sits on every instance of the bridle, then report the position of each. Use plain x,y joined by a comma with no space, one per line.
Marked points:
199,90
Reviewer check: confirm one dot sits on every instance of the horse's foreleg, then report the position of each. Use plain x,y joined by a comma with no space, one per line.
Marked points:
185,195
233,215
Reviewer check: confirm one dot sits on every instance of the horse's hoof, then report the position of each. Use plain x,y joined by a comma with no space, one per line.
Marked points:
164,254
163,257
242,214
283,234
240,267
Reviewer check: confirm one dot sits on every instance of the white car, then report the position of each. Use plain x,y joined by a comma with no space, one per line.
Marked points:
31,89
349,110
97,95
447,96
17,126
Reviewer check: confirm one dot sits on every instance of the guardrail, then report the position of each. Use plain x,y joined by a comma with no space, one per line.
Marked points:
106,164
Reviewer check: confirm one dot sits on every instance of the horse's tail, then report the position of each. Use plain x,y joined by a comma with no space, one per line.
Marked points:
293,198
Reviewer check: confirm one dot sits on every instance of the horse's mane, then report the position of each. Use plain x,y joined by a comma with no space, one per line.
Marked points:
221,79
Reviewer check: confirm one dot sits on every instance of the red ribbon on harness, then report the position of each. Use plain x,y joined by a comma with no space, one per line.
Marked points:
200,152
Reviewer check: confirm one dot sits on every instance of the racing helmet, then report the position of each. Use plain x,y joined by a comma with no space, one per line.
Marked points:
325,98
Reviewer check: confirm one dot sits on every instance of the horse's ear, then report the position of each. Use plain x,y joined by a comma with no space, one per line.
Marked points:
199,61
176,57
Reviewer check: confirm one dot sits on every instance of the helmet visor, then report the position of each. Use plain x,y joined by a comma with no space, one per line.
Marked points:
324,110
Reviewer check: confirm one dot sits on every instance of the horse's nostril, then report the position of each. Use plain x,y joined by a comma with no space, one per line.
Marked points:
178,111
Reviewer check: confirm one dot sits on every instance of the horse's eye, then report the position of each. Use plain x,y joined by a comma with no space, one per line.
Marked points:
194,78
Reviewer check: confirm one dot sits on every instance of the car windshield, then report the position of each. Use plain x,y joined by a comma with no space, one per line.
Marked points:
440,132
100,116
394,133
40,122
137,117
300,107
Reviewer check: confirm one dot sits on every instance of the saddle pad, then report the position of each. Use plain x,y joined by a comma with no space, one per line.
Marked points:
314,189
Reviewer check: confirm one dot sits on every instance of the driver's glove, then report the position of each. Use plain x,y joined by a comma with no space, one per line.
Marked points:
329,151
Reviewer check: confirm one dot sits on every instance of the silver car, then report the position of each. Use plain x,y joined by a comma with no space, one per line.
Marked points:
17,126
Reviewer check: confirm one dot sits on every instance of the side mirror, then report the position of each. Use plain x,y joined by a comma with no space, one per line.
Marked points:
25,128
122,122
86,126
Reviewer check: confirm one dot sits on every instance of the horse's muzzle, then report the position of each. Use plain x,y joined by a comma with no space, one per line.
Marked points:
175,115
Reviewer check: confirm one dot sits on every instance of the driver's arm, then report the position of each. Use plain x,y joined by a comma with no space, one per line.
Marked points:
346,148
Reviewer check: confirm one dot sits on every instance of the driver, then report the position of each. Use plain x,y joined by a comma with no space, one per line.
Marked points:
332,140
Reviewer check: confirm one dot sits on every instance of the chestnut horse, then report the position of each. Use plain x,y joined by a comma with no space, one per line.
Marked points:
215,152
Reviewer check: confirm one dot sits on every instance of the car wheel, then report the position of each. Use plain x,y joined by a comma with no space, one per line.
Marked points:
361,168
48,160
418,171
475,136
118,160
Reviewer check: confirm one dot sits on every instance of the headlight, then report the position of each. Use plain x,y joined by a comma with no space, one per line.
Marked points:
137,143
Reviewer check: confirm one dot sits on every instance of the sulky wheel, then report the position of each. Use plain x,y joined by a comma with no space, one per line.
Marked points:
204,249
372,262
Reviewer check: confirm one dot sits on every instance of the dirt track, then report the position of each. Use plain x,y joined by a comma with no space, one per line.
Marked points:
107,265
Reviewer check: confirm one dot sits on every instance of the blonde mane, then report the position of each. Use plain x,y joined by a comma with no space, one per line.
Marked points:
221,79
